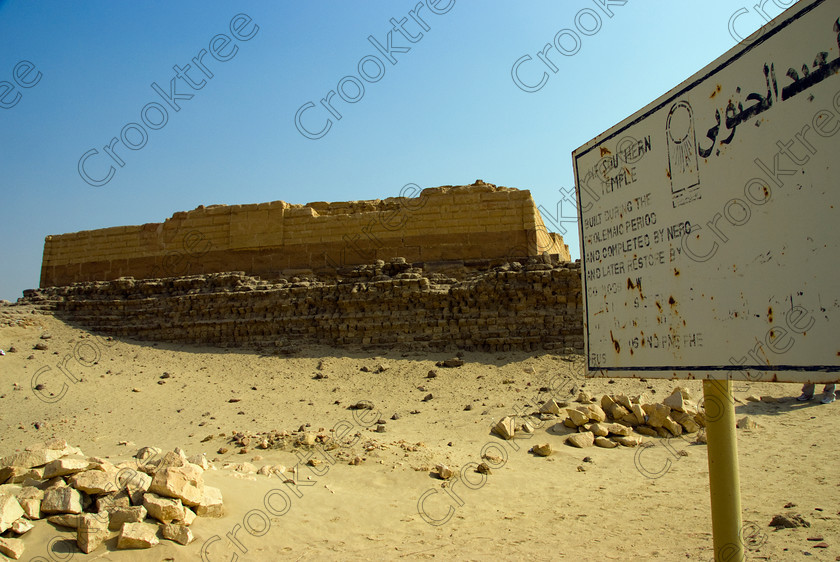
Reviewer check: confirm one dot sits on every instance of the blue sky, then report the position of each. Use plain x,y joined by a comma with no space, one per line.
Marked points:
448,112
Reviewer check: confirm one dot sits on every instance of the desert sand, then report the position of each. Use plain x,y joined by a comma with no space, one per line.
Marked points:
601,504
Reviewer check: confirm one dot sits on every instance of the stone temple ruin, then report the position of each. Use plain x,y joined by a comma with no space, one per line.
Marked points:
466,267
475,222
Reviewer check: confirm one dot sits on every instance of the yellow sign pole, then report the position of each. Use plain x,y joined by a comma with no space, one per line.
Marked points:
724,481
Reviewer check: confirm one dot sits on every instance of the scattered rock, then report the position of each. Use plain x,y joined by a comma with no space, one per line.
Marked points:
61,499
627,441
747,423
183,482
578,417
673,427
163,509
599,429
41,346
189,516
66,466
137,535
618,429
645,430
483,468
211,504
551,407
450,363
10,511
6,472
171,459
18,475
361,405
93,482
201,461
657,414
581,440
92,531
13,548
686,421
40,454
113,500
605,443
135,484
624,400
119,515
69,521
22,526
308,439
147,453
677,400
596,414
505,428
542,450
444,472
791,521
177,532
241,467
616,411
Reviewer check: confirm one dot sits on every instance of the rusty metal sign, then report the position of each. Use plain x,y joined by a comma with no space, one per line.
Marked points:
710,219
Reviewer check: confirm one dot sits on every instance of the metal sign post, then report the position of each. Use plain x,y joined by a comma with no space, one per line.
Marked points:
708,232
724,476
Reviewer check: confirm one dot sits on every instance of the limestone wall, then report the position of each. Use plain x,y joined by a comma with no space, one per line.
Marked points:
479,221
511,307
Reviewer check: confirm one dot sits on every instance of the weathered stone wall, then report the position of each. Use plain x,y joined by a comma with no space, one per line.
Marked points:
479,221
532,306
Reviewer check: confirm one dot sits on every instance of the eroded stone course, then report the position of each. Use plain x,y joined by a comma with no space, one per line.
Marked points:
513,306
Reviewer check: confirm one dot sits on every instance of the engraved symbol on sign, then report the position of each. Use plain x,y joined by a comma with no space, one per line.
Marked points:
682,153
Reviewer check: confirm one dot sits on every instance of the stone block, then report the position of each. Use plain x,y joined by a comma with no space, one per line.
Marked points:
10,511
61,499
137,535
92,531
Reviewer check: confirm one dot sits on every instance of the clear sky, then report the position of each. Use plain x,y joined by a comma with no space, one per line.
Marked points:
446,111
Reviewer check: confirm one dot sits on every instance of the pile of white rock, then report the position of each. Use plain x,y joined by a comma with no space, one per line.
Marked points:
154,495
619,420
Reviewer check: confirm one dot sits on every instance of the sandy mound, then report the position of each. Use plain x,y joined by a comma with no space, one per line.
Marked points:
349,445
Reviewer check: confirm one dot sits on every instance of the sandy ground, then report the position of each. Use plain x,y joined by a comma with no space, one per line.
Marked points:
617,504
